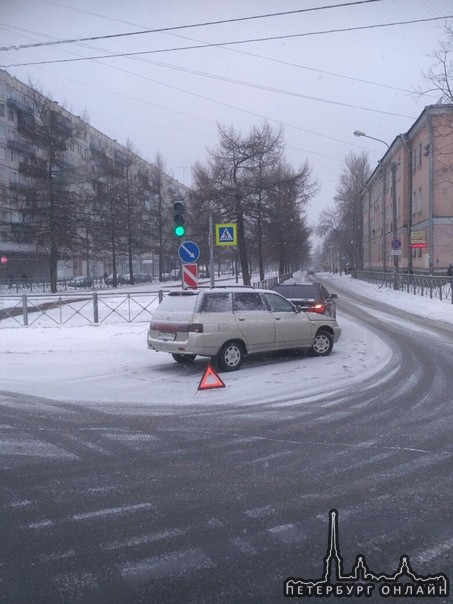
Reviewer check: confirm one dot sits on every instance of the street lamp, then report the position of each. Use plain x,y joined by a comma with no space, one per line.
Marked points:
360,133
394,167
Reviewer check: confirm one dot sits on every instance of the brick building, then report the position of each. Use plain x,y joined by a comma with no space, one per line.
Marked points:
408,199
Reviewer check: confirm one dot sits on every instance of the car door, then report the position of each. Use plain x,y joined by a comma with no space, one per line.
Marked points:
293,329
254,321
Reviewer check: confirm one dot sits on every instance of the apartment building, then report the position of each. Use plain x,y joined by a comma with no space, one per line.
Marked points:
408,199
71,166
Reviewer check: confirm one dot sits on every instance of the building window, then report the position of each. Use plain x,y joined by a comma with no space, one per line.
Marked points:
2,110
417,201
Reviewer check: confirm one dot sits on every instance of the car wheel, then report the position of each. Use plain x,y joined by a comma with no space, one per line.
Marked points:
184,358
230,356
322,344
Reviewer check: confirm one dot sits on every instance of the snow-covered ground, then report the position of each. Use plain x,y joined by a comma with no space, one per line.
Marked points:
105,363
423,306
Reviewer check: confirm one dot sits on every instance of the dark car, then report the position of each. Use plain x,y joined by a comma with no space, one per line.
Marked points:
310,297
81,282
143,278
120,279
124,279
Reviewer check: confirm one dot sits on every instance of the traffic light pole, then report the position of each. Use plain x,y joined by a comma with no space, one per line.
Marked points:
211,252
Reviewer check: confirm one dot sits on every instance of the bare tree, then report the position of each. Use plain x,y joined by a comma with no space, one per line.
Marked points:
341,226
268,145
439,77
109,212
246,181
331,228
286,230
53,214
162,203
133,183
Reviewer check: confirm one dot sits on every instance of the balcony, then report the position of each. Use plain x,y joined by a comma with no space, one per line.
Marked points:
36,169
20,145
19,186
120,158
13,103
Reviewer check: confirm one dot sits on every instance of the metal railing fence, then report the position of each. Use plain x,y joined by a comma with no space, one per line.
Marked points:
25,285
271,281
433,286
86,307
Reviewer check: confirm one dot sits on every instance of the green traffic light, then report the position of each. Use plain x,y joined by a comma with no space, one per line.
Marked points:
179,230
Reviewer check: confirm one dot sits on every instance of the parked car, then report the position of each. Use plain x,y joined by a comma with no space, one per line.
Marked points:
124,279
119,279
173,275
229,323
81,282
310,297
143,278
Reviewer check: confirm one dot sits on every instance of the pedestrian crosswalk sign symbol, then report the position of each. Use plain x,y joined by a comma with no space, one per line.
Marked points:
210,379
226,234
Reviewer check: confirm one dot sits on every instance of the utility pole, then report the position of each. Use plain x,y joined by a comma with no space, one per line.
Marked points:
211,252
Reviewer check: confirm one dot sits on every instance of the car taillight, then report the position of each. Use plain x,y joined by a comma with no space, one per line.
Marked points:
318,308
195,327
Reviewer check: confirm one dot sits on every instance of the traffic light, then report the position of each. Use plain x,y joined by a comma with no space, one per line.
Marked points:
179,229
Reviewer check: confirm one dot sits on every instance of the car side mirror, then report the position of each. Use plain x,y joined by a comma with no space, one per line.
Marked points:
333,296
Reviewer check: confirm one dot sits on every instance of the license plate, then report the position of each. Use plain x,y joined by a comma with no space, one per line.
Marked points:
166,337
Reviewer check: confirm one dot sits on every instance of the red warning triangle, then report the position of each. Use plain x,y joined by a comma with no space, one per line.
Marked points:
210,379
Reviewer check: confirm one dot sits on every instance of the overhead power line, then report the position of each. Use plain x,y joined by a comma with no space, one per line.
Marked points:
220,44
180,27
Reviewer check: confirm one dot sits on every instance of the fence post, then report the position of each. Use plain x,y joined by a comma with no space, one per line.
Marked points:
25,309
95,308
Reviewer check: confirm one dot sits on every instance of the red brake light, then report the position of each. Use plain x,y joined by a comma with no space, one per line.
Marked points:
318,308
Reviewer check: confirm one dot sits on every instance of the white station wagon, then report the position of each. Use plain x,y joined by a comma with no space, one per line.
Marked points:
229,323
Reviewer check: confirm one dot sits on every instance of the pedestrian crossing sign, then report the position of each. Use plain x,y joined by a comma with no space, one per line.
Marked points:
226,234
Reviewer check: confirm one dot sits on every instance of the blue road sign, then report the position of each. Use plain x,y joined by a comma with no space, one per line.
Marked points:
188,252
396,244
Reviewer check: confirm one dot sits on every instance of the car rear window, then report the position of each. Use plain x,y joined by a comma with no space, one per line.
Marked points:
297,290
216,302
178,303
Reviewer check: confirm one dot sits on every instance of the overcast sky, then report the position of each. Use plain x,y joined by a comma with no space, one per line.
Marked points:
326,73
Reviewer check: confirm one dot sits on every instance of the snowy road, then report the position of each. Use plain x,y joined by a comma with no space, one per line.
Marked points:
122,483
